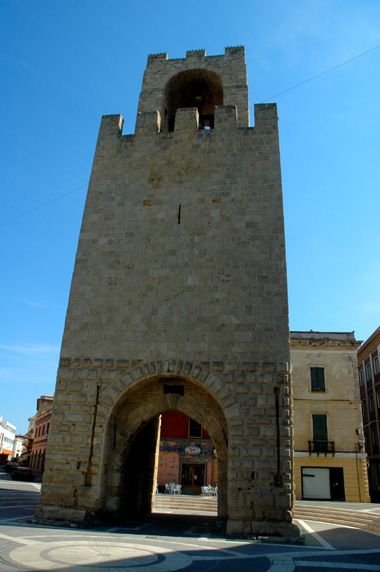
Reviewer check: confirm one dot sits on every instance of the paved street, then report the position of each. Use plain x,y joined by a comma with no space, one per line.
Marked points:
167,544
17,499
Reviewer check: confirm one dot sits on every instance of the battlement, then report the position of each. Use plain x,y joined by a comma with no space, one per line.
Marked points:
192,94
187,124
234,50
197,80
229,52
196,53
155,57
187,121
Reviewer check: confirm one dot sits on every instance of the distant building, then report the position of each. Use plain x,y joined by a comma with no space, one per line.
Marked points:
7,437
42,422
28,441
18,446
330,461
187,455
369,381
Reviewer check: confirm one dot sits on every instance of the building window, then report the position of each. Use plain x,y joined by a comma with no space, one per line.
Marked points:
361,376
195,429
317,376
375,361
320,428
368,372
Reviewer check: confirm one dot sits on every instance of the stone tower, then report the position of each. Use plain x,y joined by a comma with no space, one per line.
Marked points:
178,302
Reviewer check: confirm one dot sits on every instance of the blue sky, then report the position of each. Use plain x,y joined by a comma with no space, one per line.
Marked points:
64,63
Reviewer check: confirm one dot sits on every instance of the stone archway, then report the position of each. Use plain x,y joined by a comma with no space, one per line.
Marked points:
85,481
134,413
198,88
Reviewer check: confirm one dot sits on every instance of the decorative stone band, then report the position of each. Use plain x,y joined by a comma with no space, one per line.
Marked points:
173,366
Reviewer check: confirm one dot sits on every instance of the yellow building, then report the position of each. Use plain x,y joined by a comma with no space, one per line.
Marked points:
330,462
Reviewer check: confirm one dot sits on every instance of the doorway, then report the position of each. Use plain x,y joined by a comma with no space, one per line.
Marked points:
193,477
337,484
322,483
136,489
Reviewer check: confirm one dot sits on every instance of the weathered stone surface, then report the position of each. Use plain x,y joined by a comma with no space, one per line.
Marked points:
179,281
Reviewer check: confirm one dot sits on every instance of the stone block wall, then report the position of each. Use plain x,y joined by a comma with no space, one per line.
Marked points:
180,278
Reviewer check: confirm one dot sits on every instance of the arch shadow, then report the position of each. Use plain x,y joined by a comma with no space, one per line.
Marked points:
200,88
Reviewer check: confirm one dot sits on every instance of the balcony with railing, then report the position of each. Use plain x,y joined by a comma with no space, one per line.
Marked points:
322,448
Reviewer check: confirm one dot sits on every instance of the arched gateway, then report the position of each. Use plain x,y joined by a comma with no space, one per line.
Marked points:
178,303
136,410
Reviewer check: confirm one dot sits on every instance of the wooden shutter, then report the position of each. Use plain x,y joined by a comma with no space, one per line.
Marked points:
320,427
317,378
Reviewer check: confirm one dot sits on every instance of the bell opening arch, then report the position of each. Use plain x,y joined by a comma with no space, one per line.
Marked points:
200,88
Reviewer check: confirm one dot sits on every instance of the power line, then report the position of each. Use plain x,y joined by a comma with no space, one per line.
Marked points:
42,205
328,70
294,86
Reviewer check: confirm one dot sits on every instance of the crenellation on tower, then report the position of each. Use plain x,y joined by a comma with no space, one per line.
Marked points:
148,122
226,117
234,50
110,133
186,120
196,54
110,126
266,117
152,58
